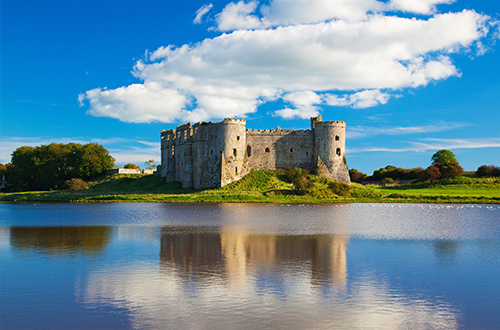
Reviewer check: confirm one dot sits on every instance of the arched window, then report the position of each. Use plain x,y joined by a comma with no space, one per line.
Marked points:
338,152
291,149
249,150
267,150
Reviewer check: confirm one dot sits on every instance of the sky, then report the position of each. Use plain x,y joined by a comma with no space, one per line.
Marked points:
409,77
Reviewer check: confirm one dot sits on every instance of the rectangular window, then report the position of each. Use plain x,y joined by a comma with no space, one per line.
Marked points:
238,138
235,152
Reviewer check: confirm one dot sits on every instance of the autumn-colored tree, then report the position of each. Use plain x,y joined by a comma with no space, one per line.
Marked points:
485,171
356,176
447,163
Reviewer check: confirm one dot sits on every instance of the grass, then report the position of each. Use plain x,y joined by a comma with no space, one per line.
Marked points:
269,187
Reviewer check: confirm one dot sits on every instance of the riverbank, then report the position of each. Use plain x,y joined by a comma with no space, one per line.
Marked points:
268,187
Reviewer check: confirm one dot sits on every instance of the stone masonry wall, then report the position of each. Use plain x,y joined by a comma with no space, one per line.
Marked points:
208,155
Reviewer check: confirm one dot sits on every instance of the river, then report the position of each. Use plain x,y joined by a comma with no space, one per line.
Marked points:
248,266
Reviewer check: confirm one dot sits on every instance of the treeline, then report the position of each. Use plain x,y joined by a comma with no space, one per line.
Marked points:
49,167
444,165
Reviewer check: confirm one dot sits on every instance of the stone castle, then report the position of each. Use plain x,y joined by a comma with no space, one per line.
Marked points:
209,155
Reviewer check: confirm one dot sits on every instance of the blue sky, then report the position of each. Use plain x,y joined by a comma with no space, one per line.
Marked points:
409,77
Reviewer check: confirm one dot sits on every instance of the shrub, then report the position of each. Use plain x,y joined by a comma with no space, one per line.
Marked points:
488,171
356,176
339,188
386,181
76,184
432,173
299,178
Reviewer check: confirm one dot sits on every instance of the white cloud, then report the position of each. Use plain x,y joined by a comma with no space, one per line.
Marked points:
233,73
237,16
436,144
202,12
417,6
360,100
304,103
362,131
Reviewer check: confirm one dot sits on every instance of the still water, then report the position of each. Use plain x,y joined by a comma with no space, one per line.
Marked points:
248,266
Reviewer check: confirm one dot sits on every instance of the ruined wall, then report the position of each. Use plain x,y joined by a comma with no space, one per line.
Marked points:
209,155
277,149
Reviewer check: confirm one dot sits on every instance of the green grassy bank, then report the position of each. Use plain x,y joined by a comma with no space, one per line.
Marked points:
268,187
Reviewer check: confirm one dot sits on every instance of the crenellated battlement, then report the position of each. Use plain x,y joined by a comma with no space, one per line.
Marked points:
278,131
332,123
234,121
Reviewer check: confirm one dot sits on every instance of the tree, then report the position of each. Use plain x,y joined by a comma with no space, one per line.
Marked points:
356,176
132,166
150,164
432,173
95,160
488,171
447,163
47,167
444,156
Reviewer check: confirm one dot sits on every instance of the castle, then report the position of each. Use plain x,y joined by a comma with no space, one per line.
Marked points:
209,155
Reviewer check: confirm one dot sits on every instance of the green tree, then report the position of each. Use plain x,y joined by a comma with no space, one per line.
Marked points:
447,163
132,166
95,160
150,164
49,166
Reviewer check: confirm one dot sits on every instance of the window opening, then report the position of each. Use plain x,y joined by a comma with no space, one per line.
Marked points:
235,152
235,170
337,138
291,149
267,150
238,138
338,152
249,150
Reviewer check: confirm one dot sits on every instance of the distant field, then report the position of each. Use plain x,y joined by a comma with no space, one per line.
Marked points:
269,187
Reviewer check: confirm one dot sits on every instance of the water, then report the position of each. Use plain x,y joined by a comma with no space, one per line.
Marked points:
249,266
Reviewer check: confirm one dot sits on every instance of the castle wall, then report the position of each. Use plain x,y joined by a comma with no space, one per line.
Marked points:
277,149
208,155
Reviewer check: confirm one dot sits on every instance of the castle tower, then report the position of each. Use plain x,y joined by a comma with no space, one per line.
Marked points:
329,149
167,169
234,162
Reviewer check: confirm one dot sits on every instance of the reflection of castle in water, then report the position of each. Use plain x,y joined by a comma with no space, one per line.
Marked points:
235,254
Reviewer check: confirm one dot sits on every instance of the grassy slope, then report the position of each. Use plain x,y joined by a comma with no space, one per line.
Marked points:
265,186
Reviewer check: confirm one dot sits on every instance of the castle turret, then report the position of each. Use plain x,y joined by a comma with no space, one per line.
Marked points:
167,169
329,149
234,165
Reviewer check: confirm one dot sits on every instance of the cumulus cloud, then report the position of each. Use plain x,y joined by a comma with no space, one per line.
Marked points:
338,52
360,100
304,105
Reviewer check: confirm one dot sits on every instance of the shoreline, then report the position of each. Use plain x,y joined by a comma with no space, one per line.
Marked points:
266,187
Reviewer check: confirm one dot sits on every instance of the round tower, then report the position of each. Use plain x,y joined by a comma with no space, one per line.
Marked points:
329,150
233,134
167,169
